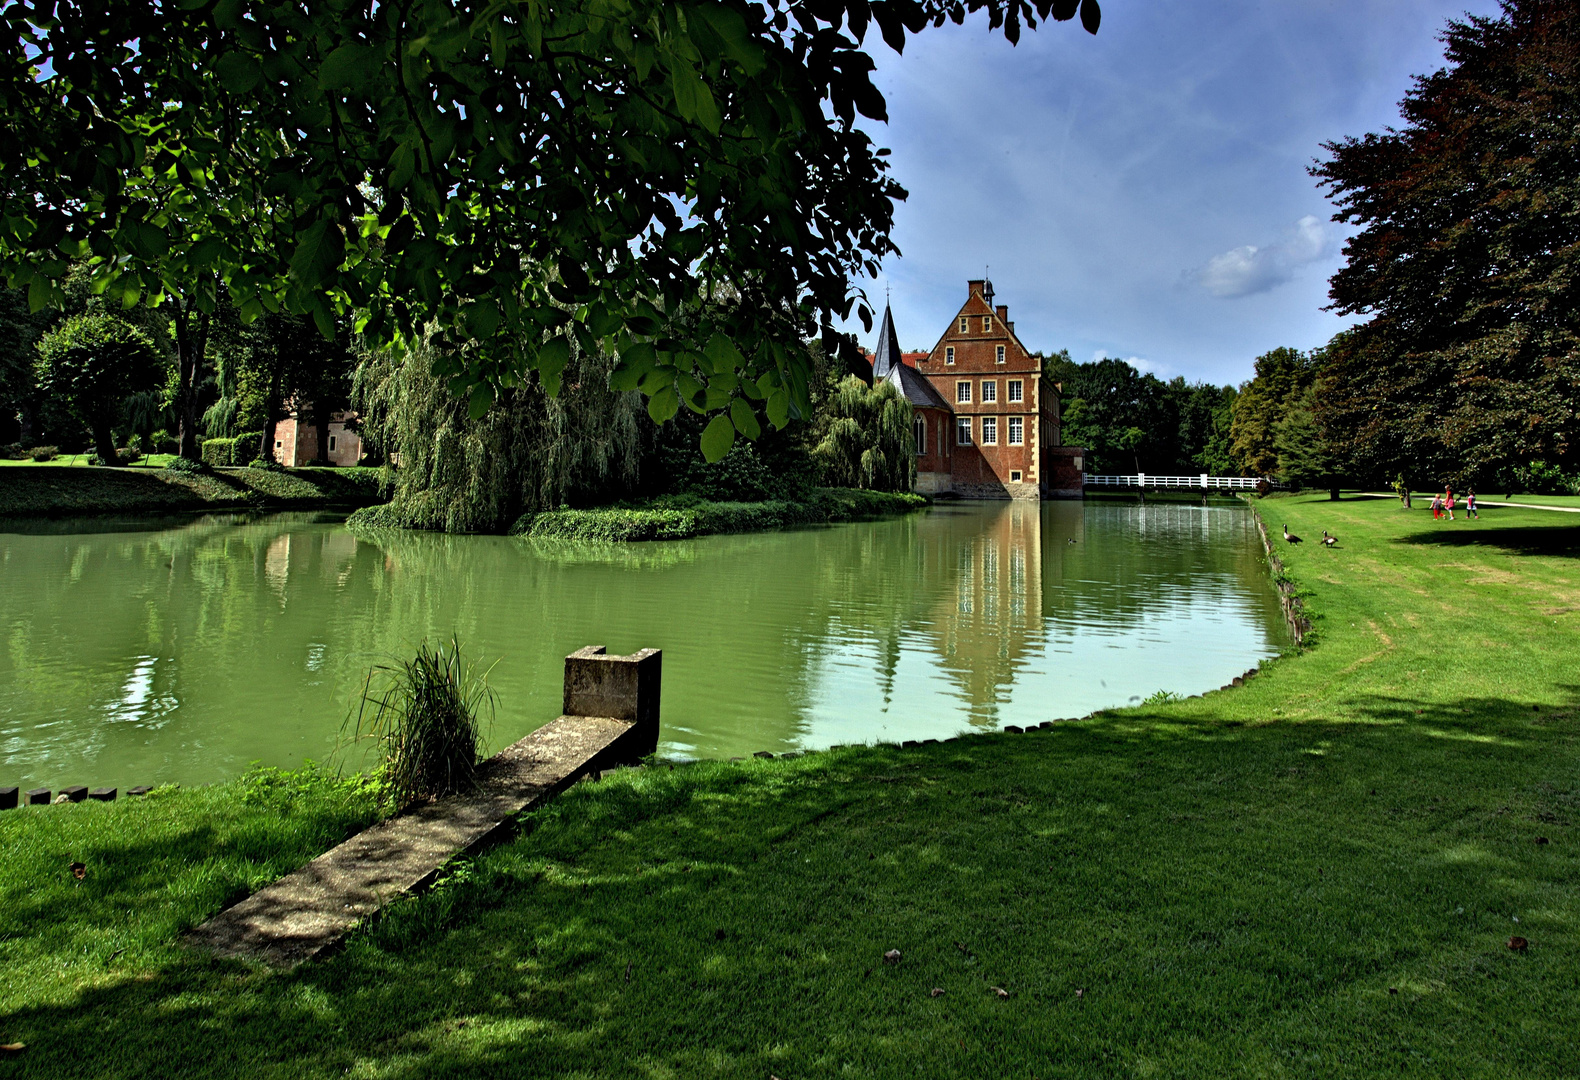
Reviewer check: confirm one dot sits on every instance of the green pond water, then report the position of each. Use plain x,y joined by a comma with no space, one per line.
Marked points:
151,651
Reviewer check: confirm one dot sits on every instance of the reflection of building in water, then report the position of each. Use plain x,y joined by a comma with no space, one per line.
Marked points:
989,621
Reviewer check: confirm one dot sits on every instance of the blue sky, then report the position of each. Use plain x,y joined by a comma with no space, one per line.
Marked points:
1142,193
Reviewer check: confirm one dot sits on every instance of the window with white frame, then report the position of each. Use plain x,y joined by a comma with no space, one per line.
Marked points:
962,393
990,431
989,390
1015,390
999,354
919,429
965,324
987,323
1017,431
1014,478
962,431
949,354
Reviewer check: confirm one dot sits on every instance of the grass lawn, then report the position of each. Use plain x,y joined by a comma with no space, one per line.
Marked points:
54,489
1315,875
151,461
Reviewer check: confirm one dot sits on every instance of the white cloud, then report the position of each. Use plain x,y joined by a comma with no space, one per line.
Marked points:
1251,269
1140,363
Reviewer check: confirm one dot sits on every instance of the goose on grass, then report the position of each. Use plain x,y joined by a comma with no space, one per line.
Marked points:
1289,536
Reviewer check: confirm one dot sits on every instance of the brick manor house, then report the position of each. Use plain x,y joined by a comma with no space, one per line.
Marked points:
987,421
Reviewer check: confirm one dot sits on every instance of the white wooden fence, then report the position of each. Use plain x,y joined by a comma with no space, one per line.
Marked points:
1201,482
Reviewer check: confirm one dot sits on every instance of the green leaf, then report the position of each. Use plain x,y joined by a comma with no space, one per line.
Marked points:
693,99
725,356
634,364
744,419
731,28
663,405
778,408
238,72
481,398
349,67
318,254
553,355
717,438
481,318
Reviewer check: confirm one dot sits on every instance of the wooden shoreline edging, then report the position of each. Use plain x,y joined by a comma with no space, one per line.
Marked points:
611,718
1294,613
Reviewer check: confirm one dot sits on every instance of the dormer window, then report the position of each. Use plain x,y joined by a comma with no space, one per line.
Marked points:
965,324
987,323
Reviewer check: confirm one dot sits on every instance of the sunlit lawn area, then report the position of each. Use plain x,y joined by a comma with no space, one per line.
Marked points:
151,461
1317,874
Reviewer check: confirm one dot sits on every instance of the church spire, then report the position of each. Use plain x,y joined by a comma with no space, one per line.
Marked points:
887,355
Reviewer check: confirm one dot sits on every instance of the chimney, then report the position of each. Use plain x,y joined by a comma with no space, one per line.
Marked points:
1010,325
1003,313
974,288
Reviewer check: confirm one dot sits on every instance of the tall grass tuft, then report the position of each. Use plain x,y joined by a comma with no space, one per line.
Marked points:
426,712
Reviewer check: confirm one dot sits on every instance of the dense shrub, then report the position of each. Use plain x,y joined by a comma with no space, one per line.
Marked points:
680,516
185,465
44,453
217,452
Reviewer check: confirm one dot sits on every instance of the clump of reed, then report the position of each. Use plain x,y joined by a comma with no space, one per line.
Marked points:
427,713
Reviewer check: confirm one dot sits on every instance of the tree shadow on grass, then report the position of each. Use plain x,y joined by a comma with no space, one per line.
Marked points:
731,920
1558,540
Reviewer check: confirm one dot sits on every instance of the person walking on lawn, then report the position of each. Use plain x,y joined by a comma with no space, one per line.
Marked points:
1437,507
1470,504
1448,503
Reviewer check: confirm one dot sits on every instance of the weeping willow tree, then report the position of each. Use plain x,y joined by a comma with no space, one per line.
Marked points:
864,437
528,452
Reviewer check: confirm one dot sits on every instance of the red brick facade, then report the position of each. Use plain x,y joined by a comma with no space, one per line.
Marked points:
999,437
296,441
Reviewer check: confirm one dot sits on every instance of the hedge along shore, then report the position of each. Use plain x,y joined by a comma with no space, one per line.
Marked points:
1319,874
681,517
42,491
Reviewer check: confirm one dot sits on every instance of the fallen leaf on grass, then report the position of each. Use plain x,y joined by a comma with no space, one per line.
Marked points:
936,991
1080,991
1518,944
12,1048
1000,991
79,871
892,956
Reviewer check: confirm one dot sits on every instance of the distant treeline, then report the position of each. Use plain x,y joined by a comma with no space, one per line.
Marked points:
1130,421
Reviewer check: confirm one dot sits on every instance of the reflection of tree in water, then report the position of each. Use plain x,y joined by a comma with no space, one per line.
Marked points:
262,629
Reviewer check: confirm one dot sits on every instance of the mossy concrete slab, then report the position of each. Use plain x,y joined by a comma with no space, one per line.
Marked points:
309,910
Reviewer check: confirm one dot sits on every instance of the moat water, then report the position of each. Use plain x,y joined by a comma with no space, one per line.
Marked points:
142,652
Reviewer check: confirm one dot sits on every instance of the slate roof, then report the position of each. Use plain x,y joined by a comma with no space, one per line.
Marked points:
917,390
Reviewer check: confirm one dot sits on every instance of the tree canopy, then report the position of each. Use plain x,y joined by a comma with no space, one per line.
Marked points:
516,176
1467,260
93,363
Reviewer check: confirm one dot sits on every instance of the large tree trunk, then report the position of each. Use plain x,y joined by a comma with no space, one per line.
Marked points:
191,328
104,443
273,412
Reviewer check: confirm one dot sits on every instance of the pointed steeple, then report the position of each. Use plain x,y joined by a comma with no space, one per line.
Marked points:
887,355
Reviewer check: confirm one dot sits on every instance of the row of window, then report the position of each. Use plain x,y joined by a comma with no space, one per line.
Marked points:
1014,391
963,431
965,324
949,354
